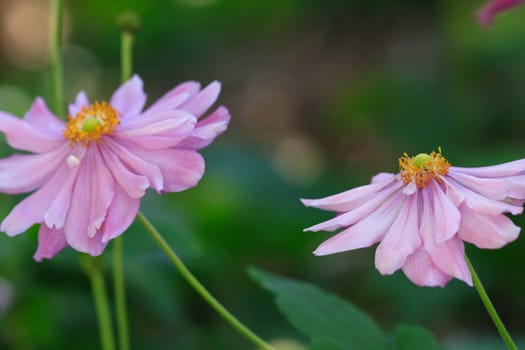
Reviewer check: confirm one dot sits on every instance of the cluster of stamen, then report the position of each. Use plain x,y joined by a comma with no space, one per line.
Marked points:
423,167
90,123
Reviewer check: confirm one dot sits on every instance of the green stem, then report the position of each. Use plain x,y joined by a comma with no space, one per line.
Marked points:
93,268
199,288
126,44
57,77
120,295
118,270
490,308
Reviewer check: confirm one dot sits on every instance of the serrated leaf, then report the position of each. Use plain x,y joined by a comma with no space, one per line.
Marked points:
415,338
324,318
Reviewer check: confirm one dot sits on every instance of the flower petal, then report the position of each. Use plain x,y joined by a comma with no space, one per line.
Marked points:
347,200
486,14
446,214
23,173
92,194
495,188
134,185
181,169
50,242
129,98
401,240
207,129
137,164
42,120
200,103
420,269
367,231
353,216
80,101
55,216
486,231
501,170
175,97
21,135
120,216
31,210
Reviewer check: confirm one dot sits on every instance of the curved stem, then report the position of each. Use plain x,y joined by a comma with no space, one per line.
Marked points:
120,295
57,77
490,308
199,288
93,269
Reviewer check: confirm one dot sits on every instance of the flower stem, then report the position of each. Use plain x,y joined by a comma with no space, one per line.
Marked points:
57,77
490,308
120,295
126,65
199,288
93,269
118,269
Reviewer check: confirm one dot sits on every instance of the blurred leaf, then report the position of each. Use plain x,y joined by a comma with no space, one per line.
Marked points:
415,338
326,344
326,319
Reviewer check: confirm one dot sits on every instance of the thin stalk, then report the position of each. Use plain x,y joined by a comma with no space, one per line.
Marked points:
57,75
118,269
490,308
199,288
93,269
120,295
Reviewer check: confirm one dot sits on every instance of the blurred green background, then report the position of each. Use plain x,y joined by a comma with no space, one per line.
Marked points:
323,95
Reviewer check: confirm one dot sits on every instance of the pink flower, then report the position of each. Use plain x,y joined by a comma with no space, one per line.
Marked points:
487,12
422,216
89,174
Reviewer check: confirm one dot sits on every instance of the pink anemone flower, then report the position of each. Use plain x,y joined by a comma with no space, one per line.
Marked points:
423,215
486,14
89,173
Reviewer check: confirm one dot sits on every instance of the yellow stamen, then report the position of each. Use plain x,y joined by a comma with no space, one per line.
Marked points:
91,123
423,167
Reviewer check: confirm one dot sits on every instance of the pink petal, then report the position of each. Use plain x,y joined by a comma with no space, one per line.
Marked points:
21,135
120,216
484,205
181,169
401,240
446,214
449,255
138,165
42,120
175,97
129,98
80,101
347,200
31,210
382,177
486,14
145,121
501,170
56,214
495,188
24,173
357,214
486,231
366,232
207,129
50,242
134,185
93,193
200,103
420,269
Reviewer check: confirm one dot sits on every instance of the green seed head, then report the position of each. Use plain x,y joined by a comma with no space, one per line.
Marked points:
90,124
421,159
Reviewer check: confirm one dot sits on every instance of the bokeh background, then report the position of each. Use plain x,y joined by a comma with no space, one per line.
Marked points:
323,95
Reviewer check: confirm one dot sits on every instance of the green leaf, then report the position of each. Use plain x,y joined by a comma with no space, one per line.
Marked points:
324,318
415,338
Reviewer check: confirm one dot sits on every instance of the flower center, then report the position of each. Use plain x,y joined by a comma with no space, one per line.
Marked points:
423,167
90,123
